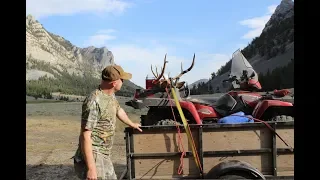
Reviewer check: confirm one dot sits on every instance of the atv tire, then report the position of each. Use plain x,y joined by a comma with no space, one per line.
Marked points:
282,118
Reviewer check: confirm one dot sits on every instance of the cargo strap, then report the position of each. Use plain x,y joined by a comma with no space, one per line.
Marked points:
188,131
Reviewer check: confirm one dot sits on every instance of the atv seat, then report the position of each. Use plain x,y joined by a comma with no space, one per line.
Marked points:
284,98
202,100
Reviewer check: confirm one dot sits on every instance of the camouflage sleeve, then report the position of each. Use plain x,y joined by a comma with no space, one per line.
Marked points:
90,114
117,106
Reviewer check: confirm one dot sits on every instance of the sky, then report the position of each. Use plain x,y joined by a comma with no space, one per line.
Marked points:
140,32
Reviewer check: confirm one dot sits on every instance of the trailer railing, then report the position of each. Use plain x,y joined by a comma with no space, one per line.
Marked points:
150,155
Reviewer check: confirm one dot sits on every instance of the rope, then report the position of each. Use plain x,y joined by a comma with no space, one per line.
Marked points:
188,131
180,169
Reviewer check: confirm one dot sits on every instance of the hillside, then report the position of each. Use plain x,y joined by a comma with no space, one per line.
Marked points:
54,64
199,82
274,48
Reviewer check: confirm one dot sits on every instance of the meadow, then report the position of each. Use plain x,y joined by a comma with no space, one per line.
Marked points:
52,130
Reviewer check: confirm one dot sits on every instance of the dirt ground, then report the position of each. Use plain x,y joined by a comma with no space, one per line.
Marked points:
52,131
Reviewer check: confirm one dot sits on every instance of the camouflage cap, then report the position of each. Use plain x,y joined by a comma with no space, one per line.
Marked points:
115,72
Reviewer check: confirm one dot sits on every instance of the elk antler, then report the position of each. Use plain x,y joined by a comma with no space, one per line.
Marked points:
162,71
153,72
185,71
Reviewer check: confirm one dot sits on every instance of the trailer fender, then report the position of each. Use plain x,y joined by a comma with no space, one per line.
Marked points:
234,168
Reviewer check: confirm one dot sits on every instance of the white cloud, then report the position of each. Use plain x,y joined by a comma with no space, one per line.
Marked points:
138,60
44,8
257,24
101,38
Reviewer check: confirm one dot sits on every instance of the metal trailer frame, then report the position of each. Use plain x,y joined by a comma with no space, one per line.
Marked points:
129,173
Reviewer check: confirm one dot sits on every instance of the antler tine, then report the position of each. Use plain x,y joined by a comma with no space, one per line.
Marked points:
165,77
153,72
185,71
157,70
164,67
181,67
160,67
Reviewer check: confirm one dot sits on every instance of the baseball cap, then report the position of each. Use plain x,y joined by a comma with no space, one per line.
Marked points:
115,72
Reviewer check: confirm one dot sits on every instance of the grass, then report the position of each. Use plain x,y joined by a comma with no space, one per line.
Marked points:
43,101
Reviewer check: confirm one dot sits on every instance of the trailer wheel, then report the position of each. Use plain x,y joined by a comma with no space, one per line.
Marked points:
237,175
282,118
234,169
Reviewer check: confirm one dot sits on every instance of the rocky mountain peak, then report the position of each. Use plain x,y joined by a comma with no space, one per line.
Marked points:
30,20
44,46
283,11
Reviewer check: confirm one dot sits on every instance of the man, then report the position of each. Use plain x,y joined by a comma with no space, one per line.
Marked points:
98,123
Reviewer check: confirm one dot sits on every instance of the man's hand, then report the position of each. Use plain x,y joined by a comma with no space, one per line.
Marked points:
122,115
136,126
92,174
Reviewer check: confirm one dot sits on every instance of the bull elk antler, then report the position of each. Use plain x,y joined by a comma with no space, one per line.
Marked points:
164,82
158,76
184,71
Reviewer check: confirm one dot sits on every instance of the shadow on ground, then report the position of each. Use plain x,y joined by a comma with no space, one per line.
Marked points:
59,172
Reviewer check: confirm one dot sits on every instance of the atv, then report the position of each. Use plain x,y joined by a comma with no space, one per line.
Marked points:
244,97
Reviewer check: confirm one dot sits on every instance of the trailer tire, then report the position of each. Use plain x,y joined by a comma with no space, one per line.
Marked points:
237,175
234,169
282,118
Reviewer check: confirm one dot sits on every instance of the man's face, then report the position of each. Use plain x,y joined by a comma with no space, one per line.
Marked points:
118,84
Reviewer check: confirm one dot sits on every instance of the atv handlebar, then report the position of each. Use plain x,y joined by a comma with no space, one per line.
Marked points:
231,79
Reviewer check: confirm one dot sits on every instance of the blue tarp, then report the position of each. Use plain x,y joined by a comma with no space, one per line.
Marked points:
239,118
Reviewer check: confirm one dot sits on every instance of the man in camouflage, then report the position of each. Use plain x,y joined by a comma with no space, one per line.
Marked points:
98,121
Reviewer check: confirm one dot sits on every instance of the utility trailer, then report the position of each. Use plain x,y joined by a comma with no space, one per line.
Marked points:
226,151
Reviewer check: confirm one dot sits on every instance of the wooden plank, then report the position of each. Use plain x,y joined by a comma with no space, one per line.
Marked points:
164,168
285,164
168,141
244,139
287,135
262,162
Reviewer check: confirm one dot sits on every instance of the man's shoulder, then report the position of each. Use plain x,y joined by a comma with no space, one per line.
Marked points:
92,96
98,97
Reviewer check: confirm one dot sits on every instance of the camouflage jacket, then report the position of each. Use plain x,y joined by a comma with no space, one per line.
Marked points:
99,115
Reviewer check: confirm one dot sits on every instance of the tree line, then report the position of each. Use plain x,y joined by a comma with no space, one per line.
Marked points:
65,82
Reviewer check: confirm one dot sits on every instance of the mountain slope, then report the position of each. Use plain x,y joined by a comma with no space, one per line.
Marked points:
55,64
272,49
198,82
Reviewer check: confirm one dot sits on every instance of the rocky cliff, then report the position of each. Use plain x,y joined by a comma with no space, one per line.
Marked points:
44,46
50,56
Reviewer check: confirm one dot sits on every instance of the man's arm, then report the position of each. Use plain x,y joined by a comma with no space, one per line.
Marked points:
89,118
122,115
87,149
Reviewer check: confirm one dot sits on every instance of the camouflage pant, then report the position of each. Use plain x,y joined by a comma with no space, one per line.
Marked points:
104,166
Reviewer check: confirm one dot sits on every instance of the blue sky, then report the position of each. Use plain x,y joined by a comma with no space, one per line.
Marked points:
140,32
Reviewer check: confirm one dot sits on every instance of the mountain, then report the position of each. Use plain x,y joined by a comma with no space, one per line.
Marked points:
273,49
55,64
198,82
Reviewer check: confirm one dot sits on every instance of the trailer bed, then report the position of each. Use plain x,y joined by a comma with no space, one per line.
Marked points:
154,154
